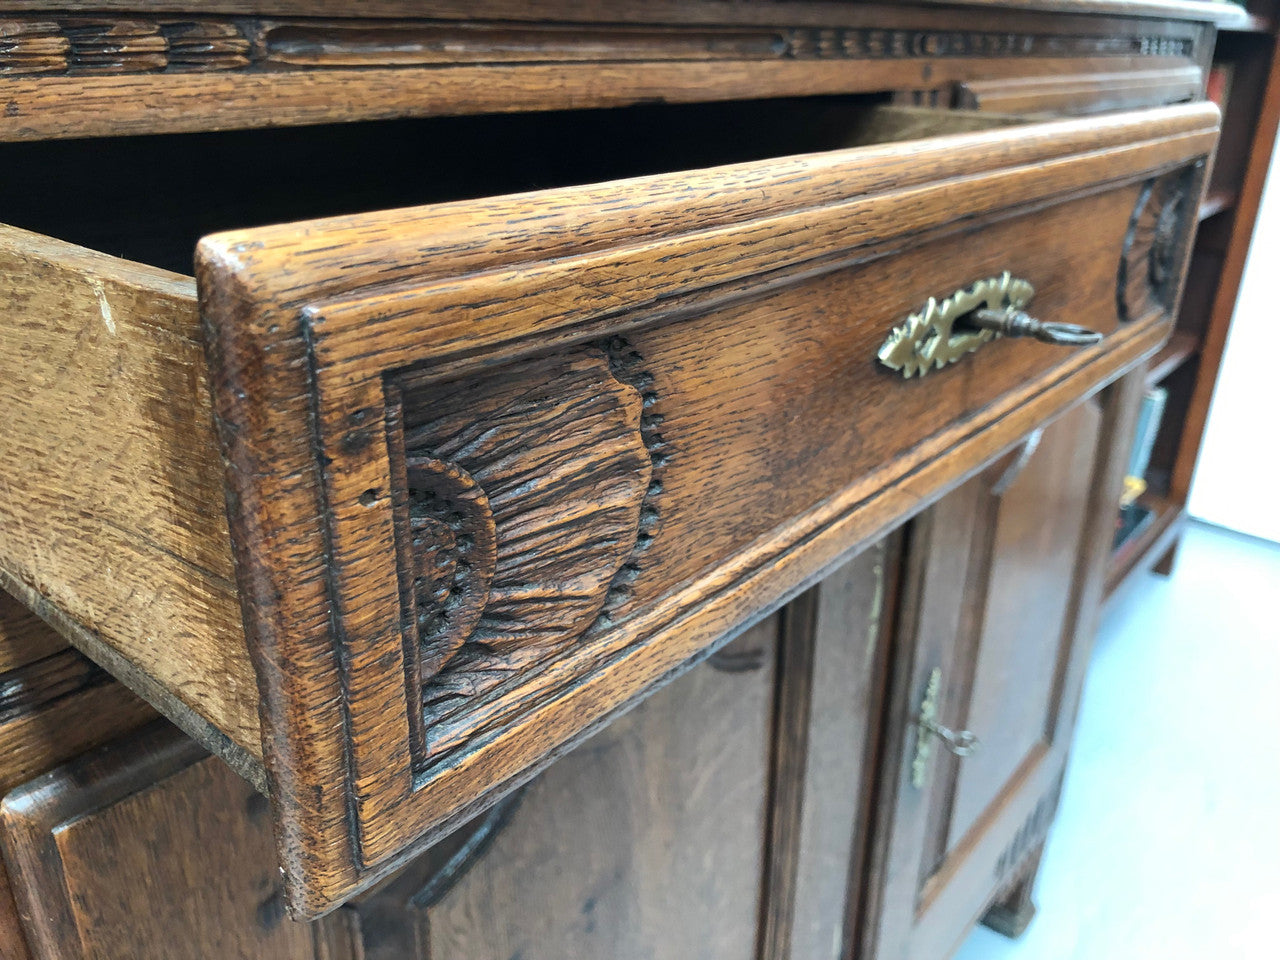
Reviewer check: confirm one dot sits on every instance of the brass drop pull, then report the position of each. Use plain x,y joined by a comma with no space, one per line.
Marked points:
959,742
1016,323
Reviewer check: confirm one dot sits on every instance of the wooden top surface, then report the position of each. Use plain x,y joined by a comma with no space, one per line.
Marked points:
1217,11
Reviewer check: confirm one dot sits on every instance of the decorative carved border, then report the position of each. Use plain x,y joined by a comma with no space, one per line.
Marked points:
132,45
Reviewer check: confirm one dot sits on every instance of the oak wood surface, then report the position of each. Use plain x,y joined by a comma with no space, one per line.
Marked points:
113,516
190,874
500,705
466,287
668,833
661,10
1017,553
159,486
946,852
234,66
631,816
1083,93
853,633
55,705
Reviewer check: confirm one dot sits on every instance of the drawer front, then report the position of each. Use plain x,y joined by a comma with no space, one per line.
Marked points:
497,468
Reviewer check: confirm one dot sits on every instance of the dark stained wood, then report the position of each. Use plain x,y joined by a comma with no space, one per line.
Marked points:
55,705
24,637
1180,348
645,840
1004,583
244,65
190,874
853,627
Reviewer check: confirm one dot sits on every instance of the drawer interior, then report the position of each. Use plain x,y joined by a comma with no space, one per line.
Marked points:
149,199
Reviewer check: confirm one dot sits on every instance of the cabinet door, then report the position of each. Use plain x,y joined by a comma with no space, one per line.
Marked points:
719,819
147,849
47,691
1002,584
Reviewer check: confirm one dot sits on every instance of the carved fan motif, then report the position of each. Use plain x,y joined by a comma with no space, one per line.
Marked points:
1154,244
525,494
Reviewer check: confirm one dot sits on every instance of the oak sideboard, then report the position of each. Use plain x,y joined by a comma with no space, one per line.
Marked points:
566,479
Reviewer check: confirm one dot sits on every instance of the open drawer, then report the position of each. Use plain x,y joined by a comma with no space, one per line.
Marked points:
495,468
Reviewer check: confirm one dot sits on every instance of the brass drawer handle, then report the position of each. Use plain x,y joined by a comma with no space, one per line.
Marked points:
962,743
943,331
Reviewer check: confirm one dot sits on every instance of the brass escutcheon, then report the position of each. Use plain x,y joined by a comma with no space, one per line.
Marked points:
928,339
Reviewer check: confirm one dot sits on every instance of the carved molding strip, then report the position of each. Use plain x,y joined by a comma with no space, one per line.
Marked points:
80,45
526,497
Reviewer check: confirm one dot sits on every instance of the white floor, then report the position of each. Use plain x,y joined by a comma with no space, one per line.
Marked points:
1167,843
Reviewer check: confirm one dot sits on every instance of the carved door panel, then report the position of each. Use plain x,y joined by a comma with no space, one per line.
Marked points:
1000,592
716,820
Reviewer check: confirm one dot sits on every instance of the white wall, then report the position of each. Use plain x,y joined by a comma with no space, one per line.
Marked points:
1237,482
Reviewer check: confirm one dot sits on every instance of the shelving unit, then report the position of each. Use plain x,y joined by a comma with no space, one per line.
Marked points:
1187,367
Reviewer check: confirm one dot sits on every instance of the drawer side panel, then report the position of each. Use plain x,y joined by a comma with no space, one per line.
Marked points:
112,512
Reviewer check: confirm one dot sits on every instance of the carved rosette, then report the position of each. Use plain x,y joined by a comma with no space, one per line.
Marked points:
526,488
1155,242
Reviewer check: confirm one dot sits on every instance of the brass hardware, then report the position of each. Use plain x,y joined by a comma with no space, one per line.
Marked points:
1012,322
959,742
943,332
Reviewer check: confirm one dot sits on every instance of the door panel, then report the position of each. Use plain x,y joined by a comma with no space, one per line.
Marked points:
722,818
645,841
1001,586
1039,523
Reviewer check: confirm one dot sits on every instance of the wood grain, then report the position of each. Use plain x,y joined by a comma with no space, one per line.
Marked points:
1084,93
224,67
737,287
113,516
647,838
634,10
1003,594
57,705
853,629
190,874
522,499
24,637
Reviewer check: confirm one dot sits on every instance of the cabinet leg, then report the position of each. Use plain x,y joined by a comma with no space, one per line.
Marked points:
1164,566
1011,914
